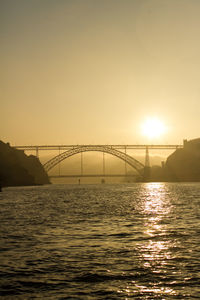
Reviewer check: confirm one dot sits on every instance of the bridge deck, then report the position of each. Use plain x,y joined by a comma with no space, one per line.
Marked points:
92,175
67,147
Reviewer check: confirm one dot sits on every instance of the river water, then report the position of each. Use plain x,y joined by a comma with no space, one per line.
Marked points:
138,240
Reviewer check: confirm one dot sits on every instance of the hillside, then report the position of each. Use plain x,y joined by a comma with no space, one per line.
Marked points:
184,164
16,168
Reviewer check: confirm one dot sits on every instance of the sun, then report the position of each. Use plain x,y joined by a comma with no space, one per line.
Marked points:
153,128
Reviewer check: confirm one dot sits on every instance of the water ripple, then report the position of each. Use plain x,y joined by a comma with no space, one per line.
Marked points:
101,242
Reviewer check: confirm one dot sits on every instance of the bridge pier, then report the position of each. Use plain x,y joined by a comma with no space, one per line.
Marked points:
81,163
103,163
59,162
147,169
125,165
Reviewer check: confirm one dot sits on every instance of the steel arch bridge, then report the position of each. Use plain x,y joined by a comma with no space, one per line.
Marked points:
138,166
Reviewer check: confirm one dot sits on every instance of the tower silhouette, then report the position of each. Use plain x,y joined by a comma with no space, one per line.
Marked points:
147,160
147,169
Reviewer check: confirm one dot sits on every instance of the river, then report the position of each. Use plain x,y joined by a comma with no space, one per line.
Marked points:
125,241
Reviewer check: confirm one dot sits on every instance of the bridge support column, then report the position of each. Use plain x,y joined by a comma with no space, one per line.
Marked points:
103,164
125,163
81,163
147,169
59,162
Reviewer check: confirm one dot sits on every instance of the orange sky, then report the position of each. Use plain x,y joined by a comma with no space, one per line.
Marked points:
93,71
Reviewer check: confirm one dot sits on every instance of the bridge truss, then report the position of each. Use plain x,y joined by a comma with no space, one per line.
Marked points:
123,156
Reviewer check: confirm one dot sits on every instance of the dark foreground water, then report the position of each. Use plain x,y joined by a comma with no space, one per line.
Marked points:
137,241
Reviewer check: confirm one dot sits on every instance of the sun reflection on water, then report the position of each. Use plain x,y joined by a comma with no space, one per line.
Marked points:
155,249
156,201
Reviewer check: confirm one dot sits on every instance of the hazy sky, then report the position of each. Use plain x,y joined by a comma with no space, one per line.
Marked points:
92,71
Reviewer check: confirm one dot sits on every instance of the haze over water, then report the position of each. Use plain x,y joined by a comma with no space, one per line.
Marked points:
101,241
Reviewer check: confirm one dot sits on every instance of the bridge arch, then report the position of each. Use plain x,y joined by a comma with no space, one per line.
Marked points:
138,166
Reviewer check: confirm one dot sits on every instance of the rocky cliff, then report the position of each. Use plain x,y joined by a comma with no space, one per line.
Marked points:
16,168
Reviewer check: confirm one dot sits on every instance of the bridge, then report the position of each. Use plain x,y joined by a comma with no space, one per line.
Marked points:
119,151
